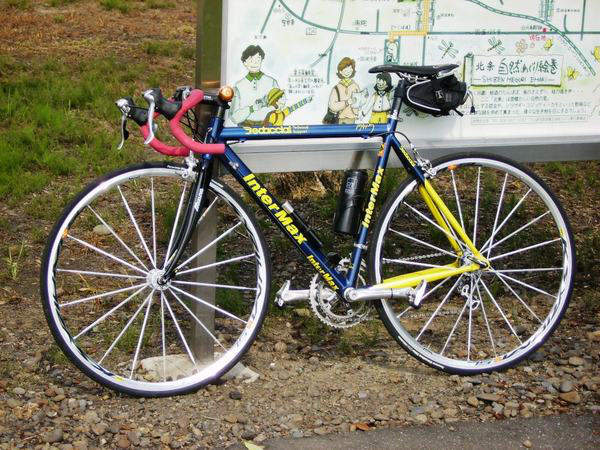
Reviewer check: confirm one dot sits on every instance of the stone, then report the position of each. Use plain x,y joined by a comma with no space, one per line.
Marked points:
52,436
297,434
570,397
91,417
134,437
101,230
566,386
537,356
235,395
122,441
472,400
489,397
280,347
99,428
230,418
363,395
165,438
321,431
19,391
576,361
594,336
421,418
527,443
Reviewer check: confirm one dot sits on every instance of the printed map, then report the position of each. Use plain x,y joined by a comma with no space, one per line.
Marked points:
530,62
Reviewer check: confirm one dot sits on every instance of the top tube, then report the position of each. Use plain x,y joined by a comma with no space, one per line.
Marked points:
363,130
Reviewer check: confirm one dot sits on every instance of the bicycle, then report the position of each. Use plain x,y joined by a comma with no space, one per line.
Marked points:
123,286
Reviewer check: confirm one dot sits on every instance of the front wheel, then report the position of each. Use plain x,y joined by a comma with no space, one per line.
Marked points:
105,302
492,318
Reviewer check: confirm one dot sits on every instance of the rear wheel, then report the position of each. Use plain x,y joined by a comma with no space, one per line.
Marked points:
106,306
490,319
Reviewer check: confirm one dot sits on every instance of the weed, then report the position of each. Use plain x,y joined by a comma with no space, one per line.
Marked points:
13,261
159,4
56,356
55,3
18,4
121,5
161,48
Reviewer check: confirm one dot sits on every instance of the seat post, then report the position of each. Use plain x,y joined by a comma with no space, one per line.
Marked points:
397,103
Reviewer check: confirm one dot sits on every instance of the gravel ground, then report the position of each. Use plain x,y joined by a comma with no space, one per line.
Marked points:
304,389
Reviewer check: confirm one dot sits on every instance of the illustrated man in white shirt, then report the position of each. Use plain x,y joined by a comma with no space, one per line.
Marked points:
249,106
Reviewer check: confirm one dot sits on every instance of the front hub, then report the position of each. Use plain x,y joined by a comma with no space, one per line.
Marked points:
155,280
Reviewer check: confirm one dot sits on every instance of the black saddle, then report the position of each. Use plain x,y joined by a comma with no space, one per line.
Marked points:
422,71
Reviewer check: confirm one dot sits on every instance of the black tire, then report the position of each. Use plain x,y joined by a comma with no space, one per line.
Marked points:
86,359
400,325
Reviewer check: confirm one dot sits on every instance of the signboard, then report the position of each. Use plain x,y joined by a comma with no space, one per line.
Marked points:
534,67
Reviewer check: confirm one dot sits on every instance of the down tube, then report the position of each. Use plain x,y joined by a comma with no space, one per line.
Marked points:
273,209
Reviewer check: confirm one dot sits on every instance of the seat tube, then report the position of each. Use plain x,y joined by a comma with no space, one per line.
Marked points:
360,245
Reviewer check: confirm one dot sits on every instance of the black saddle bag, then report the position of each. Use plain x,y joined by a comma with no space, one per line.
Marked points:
437,96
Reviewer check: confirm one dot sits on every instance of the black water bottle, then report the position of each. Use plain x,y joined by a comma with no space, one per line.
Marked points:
350,202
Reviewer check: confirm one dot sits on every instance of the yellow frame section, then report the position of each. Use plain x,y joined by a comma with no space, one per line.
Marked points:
424,24
435,273
440,211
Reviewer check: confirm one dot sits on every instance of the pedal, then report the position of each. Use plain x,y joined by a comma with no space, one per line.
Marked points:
285,295
417,295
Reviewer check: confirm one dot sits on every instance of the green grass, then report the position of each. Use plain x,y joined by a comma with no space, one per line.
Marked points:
59,120
56,3
159,4
123,6
17,4
169,49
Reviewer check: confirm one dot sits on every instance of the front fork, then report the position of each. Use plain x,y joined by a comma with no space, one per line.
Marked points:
195,206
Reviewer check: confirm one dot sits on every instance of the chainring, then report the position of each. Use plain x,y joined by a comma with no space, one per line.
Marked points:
332,310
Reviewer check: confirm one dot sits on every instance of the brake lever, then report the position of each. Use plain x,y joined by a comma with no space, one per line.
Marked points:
125,107
152,102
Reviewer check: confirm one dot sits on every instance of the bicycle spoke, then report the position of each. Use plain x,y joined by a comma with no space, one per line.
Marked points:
457,198
487,324
103,317
101,274
428,220
476,207
181,336
218,263
470,300
205,303
533,288
118,238
509,216
500,310
162,335
141,338
426,244
462,311
439,285
136,226
491,239
102,252
520,229
105,294
438,308
127,325
524,249
210,207
209,245
398,316
197,320
177,214
409,263
517,295
153,219
225,286
541,269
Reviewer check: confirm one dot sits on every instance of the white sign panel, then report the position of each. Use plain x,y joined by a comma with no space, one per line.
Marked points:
533,65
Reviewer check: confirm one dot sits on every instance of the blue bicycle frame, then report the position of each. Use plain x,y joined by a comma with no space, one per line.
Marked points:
274,209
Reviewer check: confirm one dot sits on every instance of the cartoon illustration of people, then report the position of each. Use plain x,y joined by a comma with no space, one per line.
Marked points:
380,102
249,105
276,99
341,107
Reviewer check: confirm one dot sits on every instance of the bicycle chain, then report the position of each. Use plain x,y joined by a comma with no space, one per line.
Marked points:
432,255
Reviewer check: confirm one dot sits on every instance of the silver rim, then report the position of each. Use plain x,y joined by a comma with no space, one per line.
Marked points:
486,319
113,315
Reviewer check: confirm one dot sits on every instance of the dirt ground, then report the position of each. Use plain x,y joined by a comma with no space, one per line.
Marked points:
311,383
